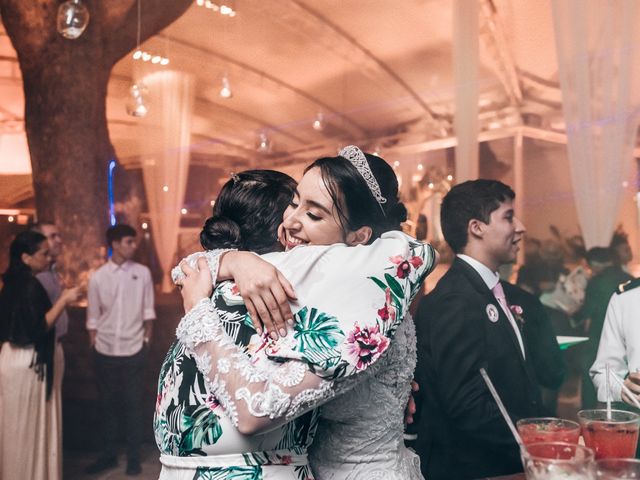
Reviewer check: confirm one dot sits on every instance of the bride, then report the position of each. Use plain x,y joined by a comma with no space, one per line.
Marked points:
348,343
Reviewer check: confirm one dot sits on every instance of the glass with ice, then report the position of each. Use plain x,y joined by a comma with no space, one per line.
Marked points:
617,469
615,437
555,460
549,429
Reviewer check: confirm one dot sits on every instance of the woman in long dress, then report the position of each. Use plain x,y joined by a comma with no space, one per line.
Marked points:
30,423
348,339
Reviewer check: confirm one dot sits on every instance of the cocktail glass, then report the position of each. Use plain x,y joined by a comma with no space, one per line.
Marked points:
616,437
617,469
553,460
548,429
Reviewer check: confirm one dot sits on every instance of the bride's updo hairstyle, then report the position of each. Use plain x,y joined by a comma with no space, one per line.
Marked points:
248,211
355,201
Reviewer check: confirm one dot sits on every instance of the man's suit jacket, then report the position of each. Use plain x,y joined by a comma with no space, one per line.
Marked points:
461,434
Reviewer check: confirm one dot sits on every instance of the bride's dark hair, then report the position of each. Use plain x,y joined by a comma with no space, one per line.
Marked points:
355,204
248,211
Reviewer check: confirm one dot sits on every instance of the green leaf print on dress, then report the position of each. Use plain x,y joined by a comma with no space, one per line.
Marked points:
317,334
202,427
232,473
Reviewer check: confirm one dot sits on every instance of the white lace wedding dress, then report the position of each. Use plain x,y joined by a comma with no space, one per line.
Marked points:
359,435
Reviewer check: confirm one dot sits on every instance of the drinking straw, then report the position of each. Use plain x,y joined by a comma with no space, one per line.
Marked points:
503,410
627,391
607,383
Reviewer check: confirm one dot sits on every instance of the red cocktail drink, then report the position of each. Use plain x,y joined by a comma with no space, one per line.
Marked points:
535,430
616,437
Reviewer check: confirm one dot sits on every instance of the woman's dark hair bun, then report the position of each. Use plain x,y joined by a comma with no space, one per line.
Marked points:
220,232
396,213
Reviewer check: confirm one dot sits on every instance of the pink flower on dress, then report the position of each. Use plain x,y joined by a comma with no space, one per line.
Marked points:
404,265
212,402
365,345
388,312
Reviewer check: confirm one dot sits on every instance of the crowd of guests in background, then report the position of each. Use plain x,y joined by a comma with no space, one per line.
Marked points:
575,285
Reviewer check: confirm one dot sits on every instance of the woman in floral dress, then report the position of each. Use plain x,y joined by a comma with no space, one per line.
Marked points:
348,319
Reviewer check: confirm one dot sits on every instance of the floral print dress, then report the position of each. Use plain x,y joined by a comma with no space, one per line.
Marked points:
220,378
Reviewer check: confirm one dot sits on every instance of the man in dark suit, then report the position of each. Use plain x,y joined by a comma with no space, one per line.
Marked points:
467,323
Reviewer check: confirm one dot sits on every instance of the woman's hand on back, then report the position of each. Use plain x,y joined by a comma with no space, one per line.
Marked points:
265,291
196,284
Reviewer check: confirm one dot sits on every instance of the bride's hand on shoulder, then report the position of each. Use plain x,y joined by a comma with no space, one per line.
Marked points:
265,291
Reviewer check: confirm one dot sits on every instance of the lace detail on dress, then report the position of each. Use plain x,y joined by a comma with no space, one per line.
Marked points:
273,403
360,434
213,260
260,391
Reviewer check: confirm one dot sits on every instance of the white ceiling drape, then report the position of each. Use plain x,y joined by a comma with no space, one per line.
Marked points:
597,46
168,135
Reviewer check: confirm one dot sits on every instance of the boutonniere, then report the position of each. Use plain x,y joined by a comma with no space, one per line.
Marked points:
517,312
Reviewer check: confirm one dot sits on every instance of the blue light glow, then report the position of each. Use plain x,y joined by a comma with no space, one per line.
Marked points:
112,213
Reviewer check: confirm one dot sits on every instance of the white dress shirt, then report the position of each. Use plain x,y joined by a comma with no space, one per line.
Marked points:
120,300
619,344
491,279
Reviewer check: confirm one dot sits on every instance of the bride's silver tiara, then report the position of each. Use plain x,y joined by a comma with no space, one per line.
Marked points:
358,160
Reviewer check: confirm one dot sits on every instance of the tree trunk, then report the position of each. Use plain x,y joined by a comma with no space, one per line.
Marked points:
65,88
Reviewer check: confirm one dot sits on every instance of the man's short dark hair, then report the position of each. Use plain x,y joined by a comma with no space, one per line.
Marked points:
118,232
474,199
601,255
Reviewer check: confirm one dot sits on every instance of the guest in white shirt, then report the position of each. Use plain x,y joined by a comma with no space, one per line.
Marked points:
119,321
618,346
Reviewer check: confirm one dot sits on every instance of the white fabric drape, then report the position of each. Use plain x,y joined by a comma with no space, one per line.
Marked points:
168,134
465,75
596,44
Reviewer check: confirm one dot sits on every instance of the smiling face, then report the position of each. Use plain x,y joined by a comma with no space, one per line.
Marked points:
311,218
501,236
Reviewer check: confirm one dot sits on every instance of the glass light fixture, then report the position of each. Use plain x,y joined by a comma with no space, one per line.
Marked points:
225,91
136,106
73,18
318,123
264,145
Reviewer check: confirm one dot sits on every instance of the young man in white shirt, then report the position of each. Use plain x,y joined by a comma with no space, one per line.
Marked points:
471,321
120,316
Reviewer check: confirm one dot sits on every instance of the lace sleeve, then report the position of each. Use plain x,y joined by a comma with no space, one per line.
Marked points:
256,397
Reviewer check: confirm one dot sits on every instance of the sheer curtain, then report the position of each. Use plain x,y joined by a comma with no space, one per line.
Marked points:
596,44
465,76
168,136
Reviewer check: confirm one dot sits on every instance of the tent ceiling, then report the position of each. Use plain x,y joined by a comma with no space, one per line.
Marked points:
380,72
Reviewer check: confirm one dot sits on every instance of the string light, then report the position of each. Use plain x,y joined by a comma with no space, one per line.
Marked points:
264,145
450,177
145,56
396,164
11,218
318,123
184,211
145,225
225,91
226,9
165,188
420,167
